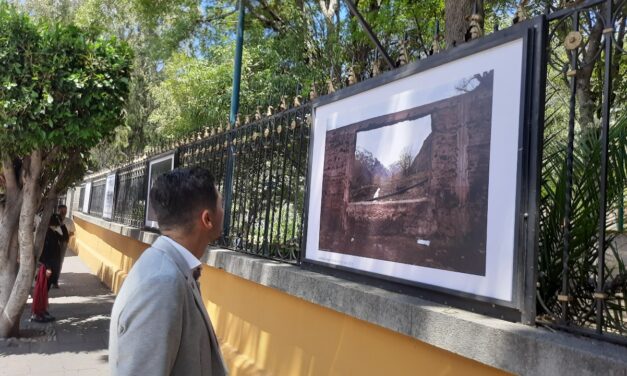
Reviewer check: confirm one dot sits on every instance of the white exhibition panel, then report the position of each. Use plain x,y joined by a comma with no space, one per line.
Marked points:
86,197
416,90
107,208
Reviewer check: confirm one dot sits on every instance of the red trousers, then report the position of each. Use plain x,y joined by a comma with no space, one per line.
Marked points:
40,294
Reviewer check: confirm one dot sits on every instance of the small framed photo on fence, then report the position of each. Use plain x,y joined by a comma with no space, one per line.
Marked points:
156,167
86,197
109,197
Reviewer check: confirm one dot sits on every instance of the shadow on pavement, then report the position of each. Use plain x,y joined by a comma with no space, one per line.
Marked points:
82,307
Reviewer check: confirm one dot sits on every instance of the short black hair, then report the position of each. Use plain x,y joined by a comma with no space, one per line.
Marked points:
62,206
178,195
55,220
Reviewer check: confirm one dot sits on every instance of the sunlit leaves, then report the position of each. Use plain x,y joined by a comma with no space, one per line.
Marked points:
63,88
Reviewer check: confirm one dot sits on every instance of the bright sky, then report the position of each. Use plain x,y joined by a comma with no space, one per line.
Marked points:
388,143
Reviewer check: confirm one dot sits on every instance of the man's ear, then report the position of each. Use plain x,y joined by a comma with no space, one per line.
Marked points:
207,219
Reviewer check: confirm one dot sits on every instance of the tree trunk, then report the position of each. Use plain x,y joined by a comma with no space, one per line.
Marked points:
31,194
8,272
8,232
456,25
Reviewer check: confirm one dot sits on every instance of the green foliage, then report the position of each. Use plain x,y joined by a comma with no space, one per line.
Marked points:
190,93
63,89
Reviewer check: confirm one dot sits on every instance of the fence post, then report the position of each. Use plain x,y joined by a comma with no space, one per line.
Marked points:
237,73
620,224
600,295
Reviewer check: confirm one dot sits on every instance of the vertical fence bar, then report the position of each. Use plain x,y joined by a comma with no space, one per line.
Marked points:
600,295
620,224
564,298
537,96
285,150
269,144
258,186
307,116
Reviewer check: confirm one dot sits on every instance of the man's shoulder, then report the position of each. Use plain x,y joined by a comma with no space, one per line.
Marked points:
152,271
155,264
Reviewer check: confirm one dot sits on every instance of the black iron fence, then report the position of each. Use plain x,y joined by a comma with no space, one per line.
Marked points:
582,278
269,172
130,197
96,201
270,163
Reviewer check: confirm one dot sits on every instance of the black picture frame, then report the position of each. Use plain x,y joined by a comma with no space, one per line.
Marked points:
522,305
150,223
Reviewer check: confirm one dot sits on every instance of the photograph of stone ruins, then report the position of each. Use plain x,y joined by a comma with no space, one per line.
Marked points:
412,187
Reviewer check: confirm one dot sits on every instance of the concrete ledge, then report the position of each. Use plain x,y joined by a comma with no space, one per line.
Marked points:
515,348
131,232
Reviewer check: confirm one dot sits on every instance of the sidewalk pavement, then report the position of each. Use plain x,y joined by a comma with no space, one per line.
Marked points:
76,343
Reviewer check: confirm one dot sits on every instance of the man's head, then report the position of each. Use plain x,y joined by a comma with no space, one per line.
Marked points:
62,210
187,204
55,221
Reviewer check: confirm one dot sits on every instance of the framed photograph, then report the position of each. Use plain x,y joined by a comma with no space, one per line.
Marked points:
156,167
87,197
109,197
417,177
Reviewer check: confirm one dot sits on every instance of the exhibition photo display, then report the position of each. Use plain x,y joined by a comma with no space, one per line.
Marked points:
416,179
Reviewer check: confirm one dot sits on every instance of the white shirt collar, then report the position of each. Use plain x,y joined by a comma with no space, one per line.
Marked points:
191,260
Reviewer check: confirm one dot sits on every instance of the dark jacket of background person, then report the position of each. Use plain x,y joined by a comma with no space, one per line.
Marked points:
51,254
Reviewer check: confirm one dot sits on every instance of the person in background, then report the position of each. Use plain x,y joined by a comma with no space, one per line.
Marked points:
159,324
68,223
51,255
48,269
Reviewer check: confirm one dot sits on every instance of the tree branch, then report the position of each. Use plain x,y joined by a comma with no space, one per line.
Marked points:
8,177
275,24
330,9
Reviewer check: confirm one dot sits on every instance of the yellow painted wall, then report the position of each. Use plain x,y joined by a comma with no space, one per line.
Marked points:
106,253
266,332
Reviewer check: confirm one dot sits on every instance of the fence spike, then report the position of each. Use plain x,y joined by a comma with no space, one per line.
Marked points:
474,28
283,105
403,58
521,12
330,87
313,94
270,111
435,46
258,113
297,100
376,67
352,77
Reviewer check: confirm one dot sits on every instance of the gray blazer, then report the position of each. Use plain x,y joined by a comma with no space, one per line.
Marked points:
159,325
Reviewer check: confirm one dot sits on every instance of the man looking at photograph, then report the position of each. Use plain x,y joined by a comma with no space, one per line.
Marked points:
159,325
